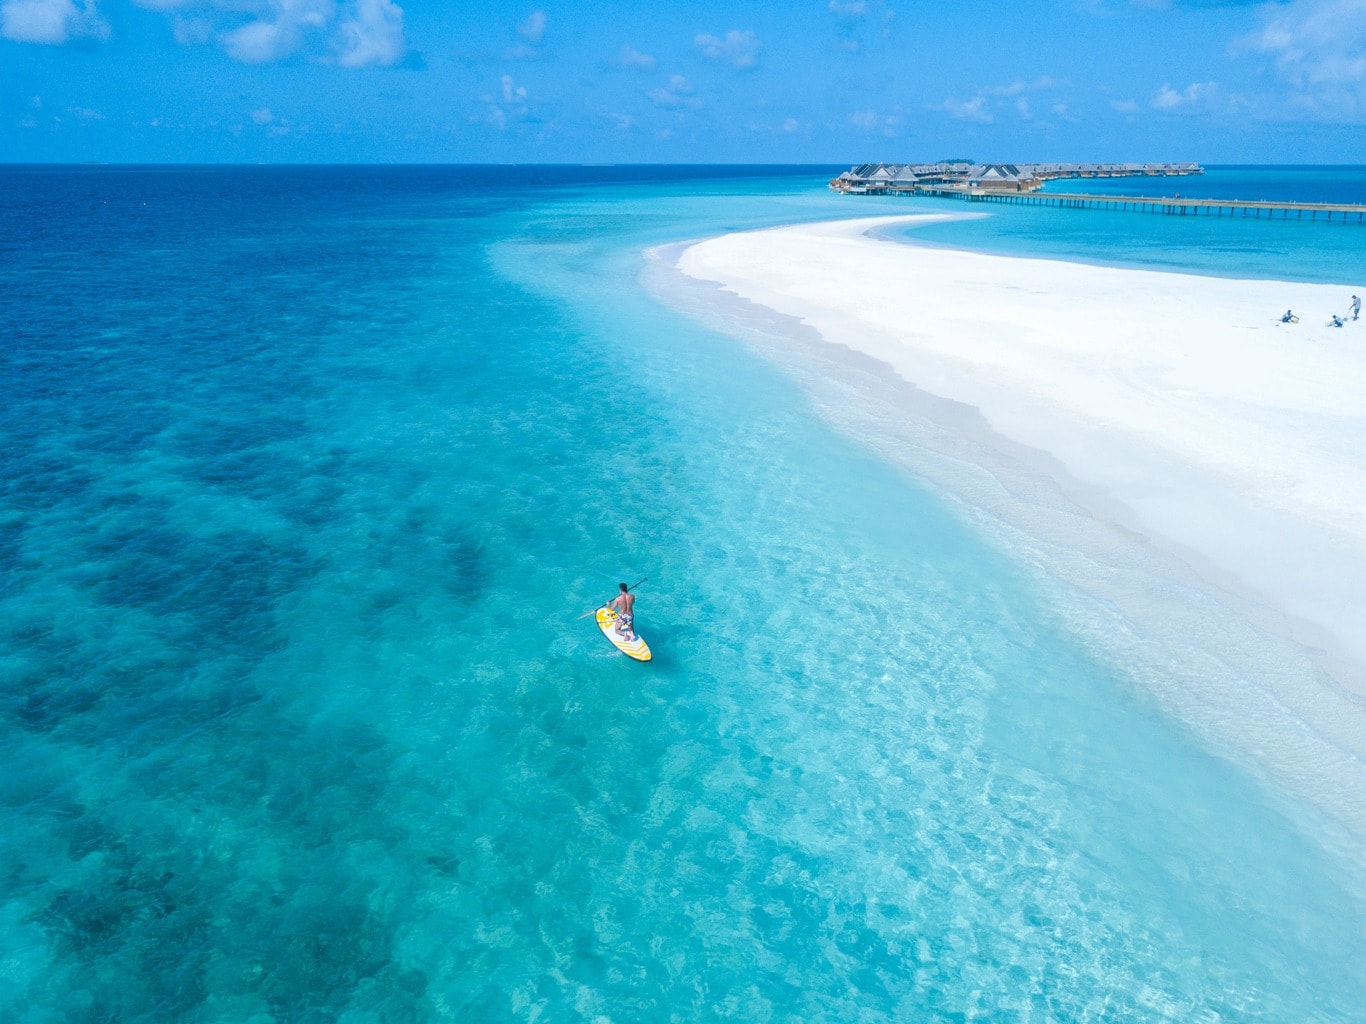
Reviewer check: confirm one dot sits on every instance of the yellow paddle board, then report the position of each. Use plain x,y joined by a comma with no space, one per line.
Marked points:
607,622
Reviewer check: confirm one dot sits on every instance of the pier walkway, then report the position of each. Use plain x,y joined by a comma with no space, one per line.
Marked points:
1173,205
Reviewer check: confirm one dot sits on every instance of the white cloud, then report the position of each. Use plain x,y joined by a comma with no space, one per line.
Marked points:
1019,88
1124,106
630,57
792,125
1319,48
889,125
739,49
260,42
51,22
512,92
983,107
1167,98
678,92
512,104
860,24
1194,95
532,29
274,126
278,33
348,33
372,35
974,109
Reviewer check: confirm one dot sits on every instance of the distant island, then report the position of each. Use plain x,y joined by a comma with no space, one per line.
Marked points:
883,178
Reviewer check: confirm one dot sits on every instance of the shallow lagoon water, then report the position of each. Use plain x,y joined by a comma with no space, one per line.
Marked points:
309,477
1294,249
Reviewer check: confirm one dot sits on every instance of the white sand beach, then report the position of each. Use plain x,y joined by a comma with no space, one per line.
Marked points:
1178,409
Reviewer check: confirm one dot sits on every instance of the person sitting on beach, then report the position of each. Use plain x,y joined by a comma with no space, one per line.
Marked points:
1337,321
1289,318
624,605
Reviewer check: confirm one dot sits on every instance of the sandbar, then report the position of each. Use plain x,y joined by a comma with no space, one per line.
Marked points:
1177,407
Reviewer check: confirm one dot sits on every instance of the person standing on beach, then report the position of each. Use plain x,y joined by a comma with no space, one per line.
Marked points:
624,604
1356,307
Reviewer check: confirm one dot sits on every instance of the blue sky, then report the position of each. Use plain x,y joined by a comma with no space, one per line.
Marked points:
817,81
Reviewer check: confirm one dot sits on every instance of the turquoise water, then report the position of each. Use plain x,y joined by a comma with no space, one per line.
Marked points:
309,477
1288,250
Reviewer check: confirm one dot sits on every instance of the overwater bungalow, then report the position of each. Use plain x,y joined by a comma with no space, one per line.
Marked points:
908,179
1002,176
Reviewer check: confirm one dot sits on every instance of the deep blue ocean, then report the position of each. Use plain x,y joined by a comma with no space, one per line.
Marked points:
307,479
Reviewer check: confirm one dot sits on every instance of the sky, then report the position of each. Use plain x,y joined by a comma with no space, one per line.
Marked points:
746,81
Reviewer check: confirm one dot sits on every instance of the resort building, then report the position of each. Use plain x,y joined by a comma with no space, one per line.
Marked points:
882,178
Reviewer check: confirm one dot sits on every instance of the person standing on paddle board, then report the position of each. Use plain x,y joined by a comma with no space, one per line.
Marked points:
624,604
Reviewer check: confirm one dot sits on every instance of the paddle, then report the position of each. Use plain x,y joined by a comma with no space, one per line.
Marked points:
606,603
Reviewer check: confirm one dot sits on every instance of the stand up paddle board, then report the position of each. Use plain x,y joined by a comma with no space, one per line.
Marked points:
607,622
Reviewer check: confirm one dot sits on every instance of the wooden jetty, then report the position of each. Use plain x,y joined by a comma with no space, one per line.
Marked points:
1172,205
1023,184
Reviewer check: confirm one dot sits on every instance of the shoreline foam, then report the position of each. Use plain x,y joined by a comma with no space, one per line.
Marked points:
1157,441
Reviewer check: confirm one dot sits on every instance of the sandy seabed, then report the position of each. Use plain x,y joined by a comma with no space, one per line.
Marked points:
1177,411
